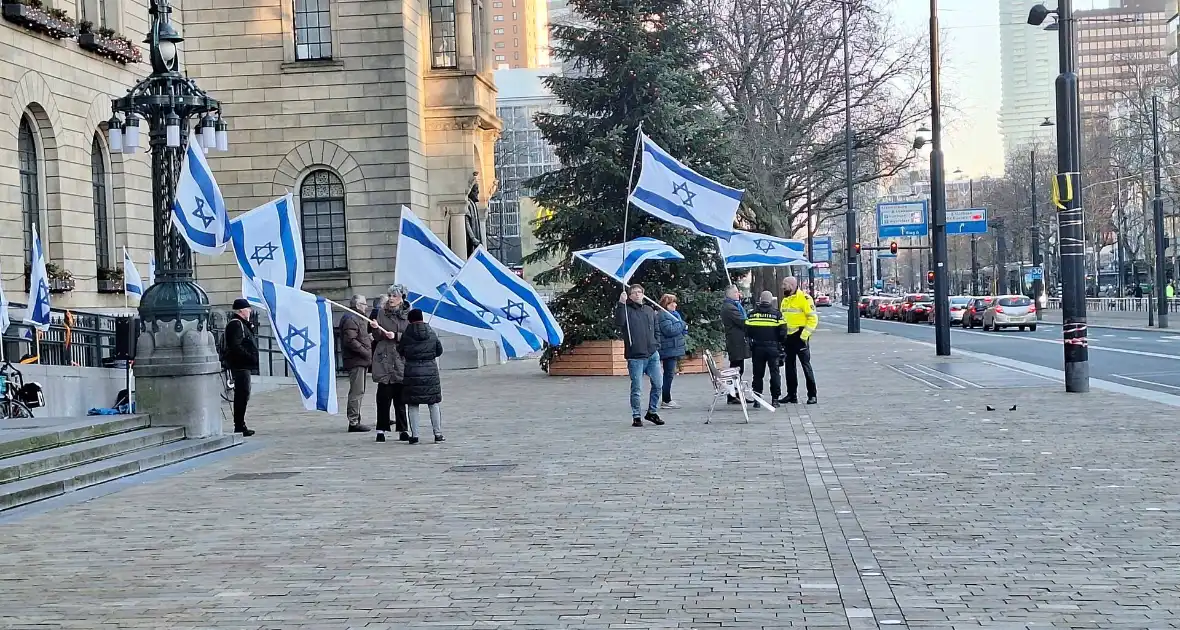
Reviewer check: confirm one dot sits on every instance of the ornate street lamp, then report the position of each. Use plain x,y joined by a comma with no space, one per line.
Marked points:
168,101
178,372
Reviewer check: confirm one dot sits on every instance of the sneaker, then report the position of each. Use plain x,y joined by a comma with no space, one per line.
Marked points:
671,404
654,418
439,438
412,440
636,422
380,436
788,400
359,428
812,400
403,436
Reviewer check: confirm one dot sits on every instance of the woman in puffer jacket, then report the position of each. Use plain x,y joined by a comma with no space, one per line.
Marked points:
421,384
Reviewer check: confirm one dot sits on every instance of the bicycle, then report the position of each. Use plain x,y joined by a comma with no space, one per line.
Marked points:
14,394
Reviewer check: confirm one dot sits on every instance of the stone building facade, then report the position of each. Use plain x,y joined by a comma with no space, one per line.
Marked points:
55,169
356,107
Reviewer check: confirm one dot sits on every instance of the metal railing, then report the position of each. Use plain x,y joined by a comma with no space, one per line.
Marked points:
1113,305
91,339
271,361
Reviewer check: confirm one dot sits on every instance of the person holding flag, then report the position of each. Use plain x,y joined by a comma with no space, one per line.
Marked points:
637,323
241,359
388,365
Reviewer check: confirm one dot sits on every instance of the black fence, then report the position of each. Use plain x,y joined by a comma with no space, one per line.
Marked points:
271,361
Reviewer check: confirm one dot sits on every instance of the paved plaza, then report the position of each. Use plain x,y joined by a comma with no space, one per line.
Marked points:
892,504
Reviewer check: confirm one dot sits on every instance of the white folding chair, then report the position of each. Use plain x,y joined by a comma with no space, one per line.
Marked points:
727,383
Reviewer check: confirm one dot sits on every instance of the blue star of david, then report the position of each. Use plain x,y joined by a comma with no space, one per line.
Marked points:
484,313
519,315
298,333
763,245
263,253
205,216
42,295
686,196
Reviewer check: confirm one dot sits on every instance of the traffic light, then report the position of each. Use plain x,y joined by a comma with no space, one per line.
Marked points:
856,248
930,277
893,248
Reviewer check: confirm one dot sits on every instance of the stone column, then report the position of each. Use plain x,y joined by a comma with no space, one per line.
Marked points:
456,213
465,35
178,376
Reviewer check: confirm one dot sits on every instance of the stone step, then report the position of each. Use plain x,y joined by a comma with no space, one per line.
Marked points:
35,434
25,491
79,453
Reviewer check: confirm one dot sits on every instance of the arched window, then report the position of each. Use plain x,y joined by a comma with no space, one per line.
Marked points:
321,213
98,186
30,198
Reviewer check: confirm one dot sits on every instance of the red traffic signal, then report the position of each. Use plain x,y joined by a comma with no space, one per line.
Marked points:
856,247
893,248
930,277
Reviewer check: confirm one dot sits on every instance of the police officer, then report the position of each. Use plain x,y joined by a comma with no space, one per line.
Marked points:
767,332
801,321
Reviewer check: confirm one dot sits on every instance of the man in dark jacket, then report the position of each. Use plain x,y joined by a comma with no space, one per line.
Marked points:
241,358
356,348
733,323
767,332
637,323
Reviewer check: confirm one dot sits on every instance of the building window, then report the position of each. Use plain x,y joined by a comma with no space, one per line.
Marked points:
499,44
499,57
98,188
321,212
442,34
313,30
30,199
497,5
515,42
498,31
497,18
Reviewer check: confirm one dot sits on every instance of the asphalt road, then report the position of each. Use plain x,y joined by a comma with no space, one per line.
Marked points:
1143,359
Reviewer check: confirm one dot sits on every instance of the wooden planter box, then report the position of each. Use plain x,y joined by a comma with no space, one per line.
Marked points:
693,365
110,47
39,20
591,358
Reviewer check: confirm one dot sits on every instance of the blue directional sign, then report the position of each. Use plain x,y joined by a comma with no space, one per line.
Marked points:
821,247
1036,273
969,221
903,218
823,270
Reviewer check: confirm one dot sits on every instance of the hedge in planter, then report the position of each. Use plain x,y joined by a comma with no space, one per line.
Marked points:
35,16
107,43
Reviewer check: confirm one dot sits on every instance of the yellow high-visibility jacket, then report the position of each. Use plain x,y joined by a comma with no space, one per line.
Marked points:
799,314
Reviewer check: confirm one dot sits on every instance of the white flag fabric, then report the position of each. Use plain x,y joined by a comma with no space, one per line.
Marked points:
267,246
5,318
750,249
679,195
426,267
151,279
39,309
132,281
199,210
622,261
496,289
302,324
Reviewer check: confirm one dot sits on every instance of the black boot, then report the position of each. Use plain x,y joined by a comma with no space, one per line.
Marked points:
403,436
243,430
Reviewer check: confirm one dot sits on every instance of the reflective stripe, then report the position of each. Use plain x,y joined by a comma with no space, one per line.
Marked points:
793,310
764,323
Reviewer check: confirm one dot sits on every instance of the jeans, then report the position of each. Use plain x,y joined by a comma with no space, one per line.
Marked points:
669,366
241,397
390,394
356,394
637,368
435,419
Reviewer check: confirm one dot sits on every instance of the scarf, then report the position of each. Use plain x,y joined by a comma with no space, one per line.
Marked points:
738,304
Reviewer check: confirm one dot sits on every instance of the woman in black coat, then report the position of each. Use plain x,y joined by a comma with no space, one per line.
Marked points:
421,384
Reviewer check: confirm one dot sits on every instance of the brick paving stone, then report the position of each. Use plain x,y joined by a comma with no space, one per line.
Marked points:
910,507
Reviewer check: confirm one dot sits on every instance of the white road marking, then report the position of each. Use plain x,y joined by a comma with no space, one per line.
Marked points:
1144,381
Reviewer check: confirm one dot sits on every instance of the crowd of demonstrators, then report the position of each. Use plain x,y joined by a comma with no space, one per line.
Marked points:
641,347
395,345
673,335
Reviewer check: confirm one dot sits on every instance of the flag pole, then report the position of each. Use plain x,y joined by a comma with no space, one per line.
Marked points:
342,307
451,284
627,208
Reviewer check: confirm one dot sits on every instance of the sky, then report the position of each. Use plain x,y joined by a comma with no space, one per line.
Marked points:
970,77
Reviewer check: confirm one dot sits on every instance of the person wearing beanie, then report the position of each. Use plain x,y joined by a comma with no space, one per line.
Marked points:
421,385
767,332
241,359
387,364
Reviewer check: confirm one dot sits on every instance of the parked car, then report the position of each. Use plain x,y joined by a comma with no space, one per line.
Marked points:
875,306
889,309
823,300
864,305
906,304
959,308
973,316
1008,311
920,310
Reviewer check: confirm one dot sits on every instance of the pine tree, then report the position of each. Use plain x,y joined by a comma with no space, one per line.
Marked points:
638,62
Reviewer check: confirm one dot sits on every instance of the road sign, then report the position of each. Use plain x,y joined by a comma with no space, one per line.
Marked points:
821,247
886,255
1036,273
823,274
969,221
823,265
905,218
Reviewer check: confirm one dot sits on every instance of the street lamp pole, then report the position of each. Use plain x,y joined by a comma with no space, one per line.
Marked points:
1038,284
852,276
974,242
1070,215
1157,211
178,370
942,315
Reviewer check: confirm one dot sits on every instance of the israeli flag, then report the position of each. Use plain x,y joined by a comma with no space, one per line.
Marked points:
132,281
427,267
152,270
38,315
679,195
199,210
5,319
750,249
302,324
496,289
267,245
622,261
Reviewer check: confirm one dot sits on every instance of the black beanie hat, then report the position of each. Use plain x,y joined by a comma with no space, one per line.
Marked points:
240,304
415,315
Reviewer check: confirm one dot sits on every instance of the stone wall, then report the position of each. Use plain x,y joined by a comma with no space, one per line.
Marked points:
70,391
